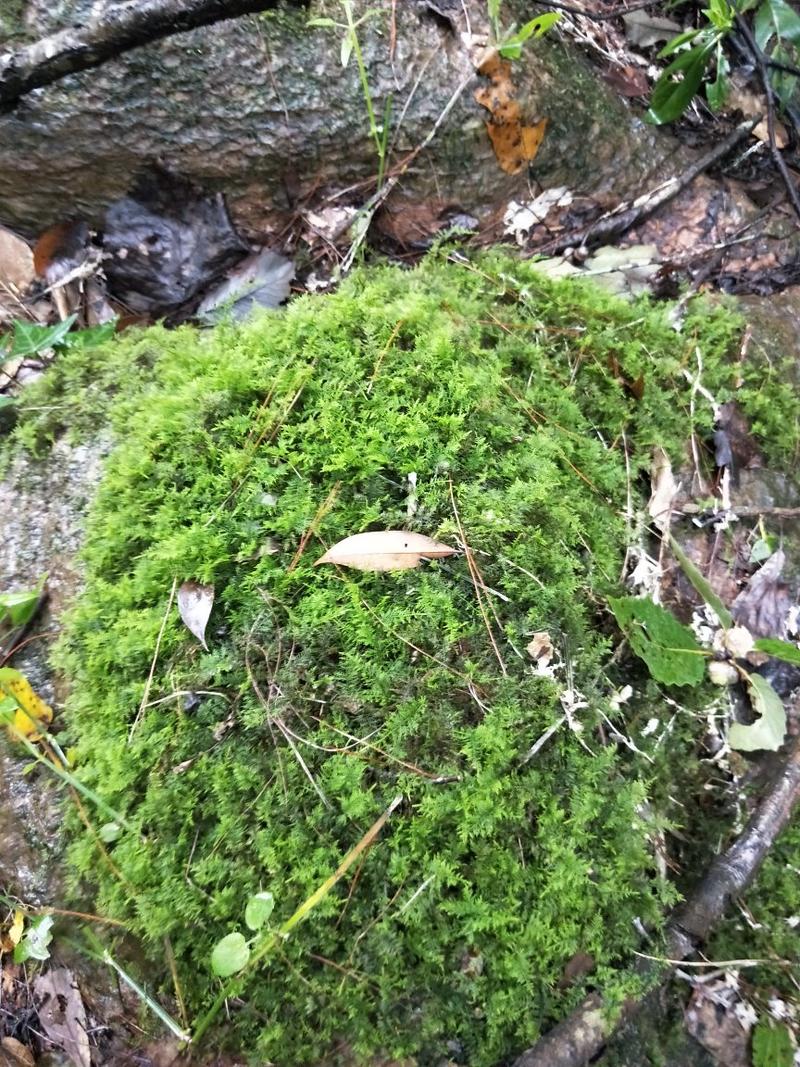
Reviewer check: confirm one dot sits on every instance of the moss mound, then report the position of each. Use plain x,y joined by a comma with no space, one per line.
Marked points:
325,693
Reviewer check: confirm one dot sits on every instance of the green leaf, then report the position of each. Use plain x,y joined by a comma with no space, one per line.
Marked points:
109,832
772,1045
789,653
230,955
19,607
669,648
769,729
7,401
701,584
329,23
512,48
34,945
776,18
677,42
671,98
258,910
717,91
30,338
347,48
720,14
91,336
762,549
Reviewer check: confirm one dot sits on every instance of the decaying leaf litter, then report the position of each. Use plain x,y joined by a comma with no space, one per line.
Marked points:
726,647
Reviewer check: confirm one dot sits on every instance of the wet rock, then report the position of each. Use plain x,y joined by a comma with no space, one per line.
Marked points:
260,108
42,506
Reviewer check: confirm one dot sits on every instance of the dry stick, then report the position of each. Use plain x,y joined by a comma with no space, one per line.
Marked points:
769,93
582,1035
149,682
632,212
116,30
614,13
746,511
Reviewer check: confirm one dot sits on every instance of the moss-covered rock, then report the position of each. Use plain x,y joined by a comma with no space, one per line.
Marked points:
325,693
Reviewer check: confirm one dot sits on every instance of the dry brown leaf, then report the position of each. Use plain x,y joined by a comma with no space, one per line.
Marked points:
514,144
16,261
62,1015
195,602
385,550
14,1054
664,489
541,648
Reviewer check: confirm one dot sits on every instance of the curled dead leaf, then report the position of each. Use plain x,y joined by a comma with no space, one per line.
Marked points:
541,648
14,1054
385,550
514,143
664,489
195,602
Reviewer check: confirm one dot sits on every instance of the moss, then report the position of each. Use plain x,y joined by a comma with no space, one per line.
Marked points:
494,386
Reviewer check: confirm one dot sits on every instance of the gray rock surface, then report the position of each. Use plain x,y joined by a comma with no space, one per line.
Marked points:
261,109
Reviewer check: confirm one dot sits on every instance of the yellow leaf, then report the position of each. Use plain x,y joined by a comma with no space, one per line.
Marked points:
31,709
16,928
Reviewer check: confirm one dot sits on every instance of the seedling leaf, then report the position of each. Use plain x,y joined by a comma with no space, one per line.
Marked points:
258,910
701,585
31,338
669,648
769,729
230,955
33,945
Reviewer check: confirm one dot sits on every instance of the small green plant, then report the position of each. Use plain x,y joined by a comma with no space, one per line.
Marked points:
776,32
509,45
694,51
350,46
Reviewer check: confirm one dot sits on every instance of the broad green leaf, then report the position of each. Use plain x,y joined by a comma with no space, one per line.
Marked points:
34,945
19,607
762,549
31,338
789,653
772,1045
720,14
669,648
671,98
329,23
109,832
230,955
701,584
776,18
769,729
512,48
258,910
7,401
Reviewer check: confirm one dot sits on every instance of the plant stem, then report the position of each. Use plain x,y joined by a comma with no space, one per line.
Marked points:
380,143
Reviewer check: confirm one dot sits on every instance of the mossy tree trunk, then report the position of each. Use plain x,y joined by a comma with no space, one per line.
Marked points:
261,108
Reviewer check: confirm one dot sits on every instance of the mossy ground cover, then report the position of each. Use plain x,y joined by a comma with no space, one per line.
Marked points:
325,693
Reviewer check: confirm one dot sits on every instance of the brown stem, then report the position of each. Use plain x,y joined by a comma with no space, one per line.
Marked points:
582,1035
116,30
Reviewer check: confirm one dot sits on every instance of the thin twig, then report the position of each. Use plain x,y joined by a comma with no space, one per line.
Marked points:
149,681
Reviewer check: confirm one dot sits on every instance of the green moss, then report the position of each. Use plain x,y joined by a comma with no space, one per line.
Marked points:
494,386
